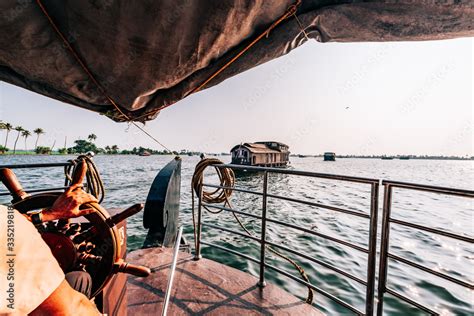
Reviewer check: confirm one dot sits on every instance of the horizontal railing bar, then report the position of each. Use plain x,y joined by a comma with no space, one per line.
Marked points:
231,251
321,263
410,301
433,230
231,231
232,188
332,208
342,242
37,165
300,173
429,188
230,210
426,269
36,190
328,295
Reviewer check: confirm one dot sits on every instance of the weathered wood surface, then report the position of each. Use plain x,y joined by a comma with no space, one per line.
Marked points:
204,287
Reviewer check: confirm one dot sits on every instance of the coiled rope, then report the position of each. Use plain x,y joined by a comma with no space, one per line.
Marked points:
222,195
95,186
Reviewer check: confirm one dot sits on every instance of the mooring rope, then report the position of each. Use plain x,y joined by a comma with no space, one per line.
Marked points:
91,76
222,195
290,11
95,186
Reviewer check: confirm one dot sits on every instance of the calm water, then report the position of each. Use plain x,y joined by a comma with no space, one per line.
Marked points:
127,179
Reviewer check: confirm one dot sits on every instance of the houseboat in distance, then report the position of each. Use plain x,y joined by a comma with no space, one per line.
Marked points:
144,153
329,156
267,154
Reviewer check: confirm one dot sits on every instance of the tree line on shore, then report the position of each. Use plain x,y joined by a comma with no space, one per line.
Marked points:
20,132
88,145
84,146
80,145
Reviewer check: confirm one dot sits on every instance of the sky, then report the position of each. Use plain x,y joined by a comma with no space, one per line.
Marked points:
349,98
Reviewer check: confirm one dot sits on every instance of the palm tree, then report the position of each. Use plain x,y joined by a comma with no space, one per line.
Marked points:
19,129
8,127
92,137
2,125
25,134
114,149
38,132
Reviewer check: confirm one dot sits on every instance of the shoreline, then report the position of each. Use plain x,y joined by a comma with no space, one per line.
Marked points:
211,154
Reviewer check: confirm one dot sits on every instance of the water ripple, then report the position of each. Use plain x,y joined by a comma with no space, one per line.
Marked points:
127,180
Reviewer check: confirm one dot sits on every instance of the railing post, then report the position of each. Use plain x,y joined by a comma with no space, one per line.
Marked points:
371,262
384,245
261,282
197,254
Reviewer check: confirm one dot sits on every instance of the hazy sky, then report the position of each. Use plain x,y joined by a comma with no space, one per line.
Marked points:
370,98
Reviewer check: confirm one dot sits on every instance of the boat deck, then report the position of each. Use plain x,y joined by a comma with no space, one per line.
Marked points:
204,287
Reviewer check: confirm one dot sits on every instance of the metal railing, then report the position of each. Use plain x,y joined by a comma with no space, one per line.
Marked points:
39,165
370,251
385,254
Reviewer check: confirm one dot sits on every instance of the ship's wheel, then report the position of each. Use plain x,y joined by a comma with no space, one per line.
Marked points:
90,243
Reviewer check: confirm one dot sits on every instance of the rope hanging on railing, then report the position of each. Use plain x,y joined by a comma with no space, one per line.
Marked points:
95,186
222,195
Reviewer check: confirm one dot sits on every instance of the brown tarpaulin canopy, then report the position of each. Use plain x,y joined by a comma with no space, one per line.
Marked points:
149,54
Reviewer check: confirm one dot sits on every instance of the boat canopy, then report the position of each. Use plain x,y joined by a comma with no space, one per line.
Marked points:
129,60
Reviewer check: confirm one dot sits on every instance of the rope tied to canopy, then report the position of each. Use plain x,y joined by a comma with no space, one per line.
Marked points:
290,11
91,76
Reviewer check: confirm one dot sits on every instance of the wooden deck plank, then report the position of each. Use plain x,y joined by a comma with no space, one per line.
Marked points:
205,287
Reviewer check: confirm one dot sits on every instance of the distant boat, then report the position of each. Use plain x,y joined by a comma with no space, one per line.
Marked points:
328,156
387,158
144,153
404,157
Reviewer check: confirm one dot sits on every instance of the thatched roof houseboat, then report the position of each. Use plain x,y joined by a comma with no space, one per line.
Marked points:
270,153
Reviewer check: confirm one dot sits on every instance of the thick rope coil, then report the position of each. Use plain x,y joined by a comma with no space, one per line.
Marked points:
222,195
95,186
